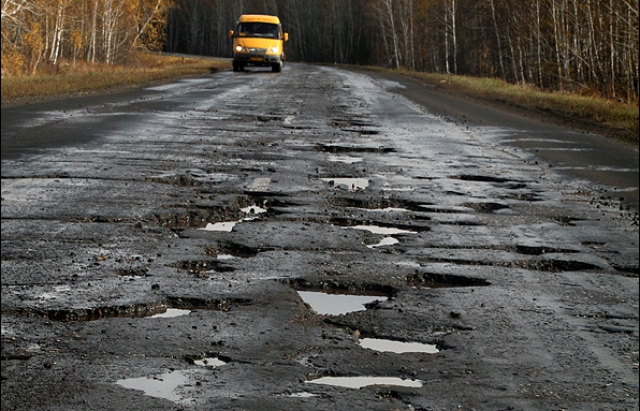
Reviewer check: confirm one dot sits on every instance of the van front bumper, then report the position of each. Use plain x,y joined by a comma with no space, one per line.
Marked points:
256,59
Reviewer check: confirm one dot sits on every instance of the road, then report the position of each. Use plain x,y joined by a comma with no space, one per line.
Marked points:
261,241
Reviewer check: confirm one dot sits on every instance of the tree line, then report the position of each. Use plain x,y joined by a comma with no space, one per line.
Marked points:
582,46
41,33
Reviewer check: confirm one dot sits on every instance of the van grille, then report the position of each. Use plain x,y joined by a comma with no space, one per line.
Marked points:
254,50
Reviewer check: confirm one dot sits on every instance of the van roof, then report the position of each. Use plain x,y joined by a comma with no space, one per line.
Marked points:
258,18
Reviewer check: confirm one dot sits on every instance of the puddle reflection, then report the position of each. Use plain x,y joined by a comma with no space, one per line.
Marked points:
224,227
359,382
382,230
398,347
385,241
337,304
345,159
162,386
172,313
212,362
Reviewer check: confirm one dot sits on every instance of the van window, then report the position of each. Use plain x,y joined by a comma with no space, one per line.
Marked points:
265,30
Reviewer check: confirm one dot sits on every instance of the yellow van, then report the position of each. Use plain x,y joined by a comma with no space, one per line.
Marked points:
258,40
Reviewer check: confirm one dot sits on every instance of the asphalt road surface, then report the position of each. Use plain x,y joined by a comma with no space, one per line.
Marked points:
318,239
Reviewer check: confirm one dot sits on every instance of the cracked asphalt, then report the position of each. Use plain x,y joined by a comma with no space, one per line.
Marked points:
158,247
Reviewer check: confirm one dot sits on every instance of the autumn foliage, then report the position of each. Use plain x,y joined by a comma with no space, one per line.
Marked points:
41,35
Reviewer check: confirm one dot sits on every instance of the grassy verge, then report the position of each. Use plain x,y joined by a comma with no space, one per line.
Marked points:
72,80
616,119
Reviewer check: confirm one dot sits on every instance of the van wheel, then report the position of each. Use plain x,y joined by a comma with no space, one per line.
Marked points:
236,67
277,68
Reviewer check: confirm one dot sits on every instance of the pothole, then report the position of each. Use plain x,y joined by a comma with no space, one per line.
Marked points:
488,207
397,347
203,268
383,227
382,230
345,159
384,242
479,178
172,313
163,386
336,302
433,280
360,382
172,307
334,298
353,184
335,148
379,204
232,249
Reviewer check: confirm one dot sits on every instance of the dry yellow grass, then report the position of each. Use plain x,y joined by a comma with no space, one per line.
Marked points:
73,79
616,119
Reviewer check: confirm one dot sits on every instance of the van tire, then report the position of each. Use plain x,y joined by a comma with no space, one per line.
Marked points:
277,67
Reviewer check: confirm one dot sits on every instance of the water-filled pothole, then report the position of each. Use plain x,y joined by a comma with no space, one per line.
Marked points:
379,204
488,207
162,386
360,382
335,298
203,268
379,227
398,347
353,184
335,148
433,280
336,303
345,159
386,241
484,179
172,307
172,313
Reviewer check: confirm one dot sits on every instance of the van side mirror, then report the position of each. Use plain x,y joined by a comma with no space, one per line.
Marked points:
230,34
286,37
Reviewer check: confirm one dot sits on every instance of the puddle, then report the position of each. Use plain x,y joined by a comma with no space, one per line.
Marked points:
212,362
359,382
228,226
384,242
398,347
382,230
350,183
161,386
336,304
172,313
224,227
302,395
345,159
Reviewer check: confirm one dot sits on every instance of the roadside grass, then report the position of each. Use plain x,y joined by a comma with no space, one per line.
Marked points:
69,79
616,119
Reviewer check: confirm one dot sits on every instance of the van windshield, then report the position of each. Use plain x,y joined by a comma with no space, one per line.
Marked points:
266,30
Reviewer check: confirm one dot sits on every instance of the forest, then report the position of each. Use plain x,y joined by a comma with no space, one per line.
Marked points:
587,47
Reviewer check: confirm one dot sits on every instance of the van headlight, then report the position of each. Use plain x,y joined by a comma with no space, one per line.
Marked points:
241,49
274,50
